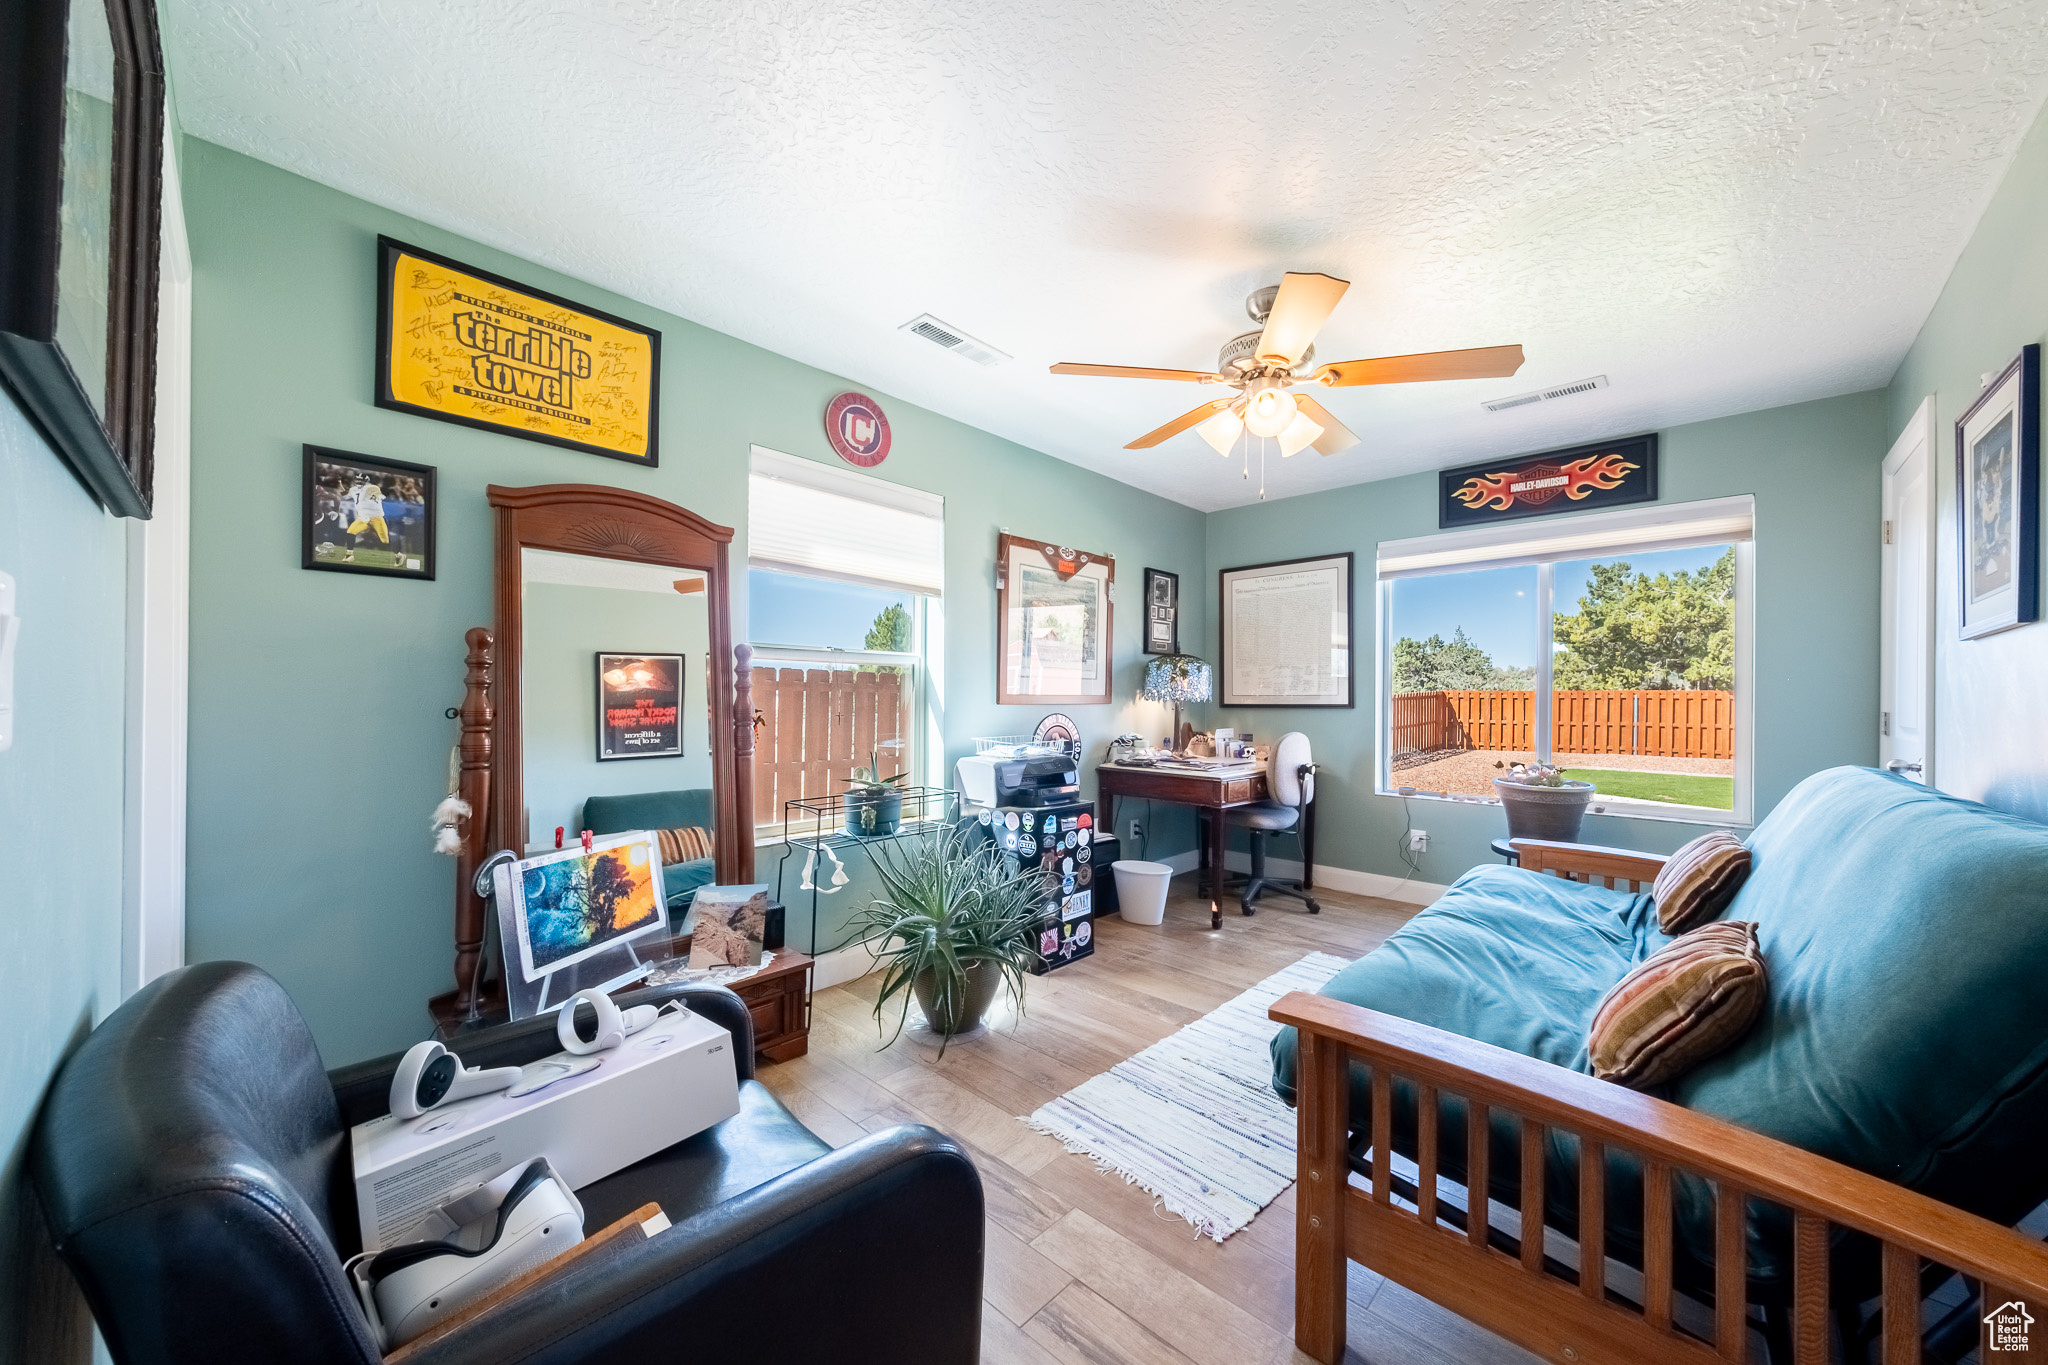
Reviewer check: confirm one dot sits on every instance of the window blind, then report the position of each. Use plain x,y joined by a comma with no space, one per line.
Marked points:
1597,535
804,517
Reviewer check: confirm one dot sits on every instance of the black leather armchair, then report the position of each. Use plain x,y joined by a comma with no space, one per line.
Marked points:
193,1161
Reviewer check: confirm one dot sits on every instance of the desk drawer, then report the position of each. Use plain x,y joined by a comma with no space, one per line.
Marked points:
1237,789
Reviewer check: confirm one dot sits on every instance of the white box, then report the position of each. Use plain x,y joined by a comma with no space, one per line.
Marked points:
673,1079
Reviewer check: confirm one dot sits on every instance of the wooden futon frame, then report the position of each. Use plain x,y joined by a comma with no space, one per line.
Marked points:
1413,1232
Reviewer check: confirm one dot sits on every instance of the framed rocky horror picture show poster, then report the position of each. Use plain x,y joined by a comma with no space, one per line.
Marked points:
363,514
463,345
1054,623
639,706
1998,519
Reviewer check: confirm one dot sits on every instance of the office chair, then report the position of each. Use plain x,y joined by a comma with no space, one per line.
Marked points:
1290,805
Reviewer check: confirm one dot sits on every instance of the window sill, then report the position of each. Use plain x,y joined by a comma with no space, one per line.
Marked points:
1620,808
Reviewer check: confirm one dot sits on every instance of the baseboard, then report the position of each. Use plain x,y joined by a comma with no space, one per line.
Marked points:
1404,889
840,966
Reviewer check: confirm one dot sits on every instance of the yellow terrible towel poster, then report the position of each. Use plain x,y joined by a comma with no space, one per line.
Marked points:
467,346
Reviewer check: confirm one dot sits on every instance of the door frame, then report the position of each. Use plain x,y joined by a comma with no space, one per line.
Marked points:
1918,434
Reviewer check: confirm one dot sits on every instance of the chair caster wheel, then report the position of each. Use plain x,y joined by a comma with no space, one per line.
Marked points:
1314,908
1249,909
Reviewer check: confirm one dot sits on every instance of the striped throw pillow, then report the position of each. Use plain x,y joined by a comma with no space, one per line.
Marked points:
1699,880
1681,1005
684,845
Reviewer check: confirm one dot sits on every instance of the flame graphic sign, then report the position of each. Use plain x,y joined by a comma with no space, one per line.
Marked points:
1563,480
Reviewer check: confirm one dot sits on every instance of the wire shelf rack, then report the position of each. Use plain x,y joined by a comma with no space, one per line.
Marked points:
830,825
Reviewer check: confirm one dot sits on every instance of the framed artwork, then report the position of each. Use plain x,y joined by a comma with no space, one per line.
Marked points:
1162,612
81,154
467,346
1578,479
1286,638
1053,623
362,514
1998,516
639,706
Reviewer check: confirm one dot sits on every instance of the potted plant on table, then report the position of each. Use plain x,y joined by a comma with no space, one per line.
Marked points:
1542,803
875,805
951,928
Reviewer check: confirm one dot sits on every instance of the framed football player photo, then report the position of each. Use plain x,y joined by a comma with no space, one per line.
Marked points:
365,514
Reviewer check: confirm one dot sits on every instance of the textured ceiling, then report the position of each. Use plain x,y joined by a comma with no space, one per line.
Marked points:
1722,205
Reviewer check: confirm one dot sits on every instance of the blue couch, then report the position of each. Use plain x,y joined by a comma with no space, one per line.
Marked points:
660,810
1906,935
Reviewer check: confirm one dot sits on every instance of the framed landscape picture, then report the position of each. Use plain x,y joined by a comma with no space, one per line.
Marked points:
466,346
1286,638
1162,612
1998,518
1053,624
639,706
362,514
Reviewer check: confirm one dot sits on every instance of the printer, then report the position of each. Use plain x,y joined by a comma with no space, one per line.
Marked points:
1018,779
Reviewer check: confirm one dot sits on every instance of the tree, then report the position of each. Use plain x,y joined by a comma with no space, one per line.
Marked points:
609,884
891,630
1453,665
1676,630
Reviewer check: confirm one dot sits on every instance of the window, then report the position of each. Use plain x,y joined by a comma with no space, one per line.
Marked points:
844,579
1615,645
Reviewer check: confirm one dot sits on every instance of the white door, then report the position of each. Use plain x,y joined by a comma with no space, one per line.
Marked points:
1905,729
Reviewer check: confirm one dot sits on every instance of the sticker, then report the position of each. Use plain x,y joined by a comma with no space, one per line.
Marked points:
987,817
1010,819
1049,943
1084,875
1075,905
1083,932
1087,820
1066,864
1067,884
1050,842
1028,819
1084,853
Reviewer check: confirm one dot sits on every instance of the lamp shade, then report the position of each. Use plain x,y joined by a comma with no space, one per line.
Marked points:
1176,678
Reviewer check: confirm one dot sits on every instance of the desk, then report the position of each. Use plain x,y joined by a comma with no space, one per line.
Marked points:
1208,793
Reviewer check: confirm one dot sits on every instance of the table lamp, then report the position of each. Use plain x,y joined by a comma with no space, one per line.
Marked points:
1176,678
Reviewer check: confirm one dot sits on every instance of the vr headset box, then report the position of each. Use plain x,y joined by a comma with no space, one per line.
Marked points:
667,1082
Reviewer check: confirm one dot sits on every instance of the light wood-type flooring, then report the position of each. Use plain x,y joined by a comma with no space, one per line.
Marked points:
1081,1269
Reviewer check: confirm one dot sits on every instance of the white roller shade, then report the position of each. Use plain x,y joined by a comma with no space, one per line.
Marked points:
804,517
1598,535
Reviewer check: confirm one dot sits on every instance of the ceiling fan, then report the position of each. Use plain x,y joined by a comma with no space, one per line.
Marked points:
1264,367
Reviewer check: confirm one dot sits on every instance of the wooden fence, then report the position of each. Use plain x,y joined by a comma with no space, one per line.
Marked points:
1670,723
817,726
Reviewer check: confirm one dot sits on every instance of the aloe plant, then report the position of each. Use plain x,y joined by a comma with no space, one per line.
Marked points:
943,909
870,779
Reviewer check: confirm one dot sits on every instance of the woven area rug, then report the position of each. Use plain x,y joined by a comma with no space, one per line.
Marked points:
1193,1119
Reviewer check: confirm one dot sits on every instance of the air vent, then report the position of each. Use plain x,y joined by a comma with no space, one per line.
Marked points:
953,339
1520,400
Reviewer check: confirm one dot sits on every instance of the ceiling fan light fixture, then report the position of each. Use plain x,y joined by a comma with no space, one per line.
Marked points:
1301,433
1222,431
1269,407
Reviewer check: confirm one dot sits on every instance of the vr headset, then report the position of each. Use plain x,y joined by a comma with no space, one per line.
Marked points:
408,1289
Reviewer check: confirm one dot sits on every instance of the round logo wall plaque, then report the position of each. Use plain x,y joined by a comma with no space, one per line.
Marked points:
858,431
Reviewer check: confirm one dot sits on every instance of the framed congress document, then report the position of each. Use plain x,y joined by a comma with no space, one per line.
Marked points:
1286,638
467,346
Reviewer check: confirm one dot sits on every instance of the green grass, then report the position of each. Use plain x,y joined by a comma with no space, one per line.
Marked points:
1677,789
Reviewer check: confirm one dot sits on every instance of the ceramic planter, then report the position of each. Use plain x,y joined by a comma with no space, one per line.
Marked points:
969,1002
872,812
1550,813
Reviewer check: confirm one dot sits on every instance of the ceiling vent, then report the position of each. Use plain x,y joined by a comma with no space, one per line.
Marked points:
1522,400
953,339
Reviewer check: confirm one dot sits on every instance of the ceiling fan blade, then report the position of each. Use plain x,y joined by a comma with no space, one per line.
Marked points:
1336,436
1180,424
1481,362
1299,311
1135,372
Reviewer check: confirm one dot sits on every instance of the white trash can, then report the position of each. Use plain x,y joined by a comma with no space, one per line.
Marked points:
1141,890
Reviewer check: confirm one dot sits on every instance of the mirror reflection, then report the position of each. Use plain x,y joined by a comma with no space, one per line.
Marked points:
615,712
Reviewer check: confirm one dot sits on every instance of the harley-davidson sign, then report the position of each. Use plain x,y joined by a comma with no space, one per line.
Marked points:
1582,478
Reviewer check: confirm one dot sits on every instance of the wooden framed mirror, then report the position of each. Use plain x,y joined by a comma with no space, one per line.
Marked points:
612,677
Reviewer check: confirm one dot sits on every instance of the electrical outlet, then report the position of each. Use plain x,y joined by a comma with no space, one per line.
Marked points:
1418,841
1137,829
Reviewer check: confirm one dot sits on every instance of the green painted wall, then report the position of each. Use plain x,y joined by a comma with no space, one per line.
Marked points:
318,744
1990,728
1809,467
60,805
